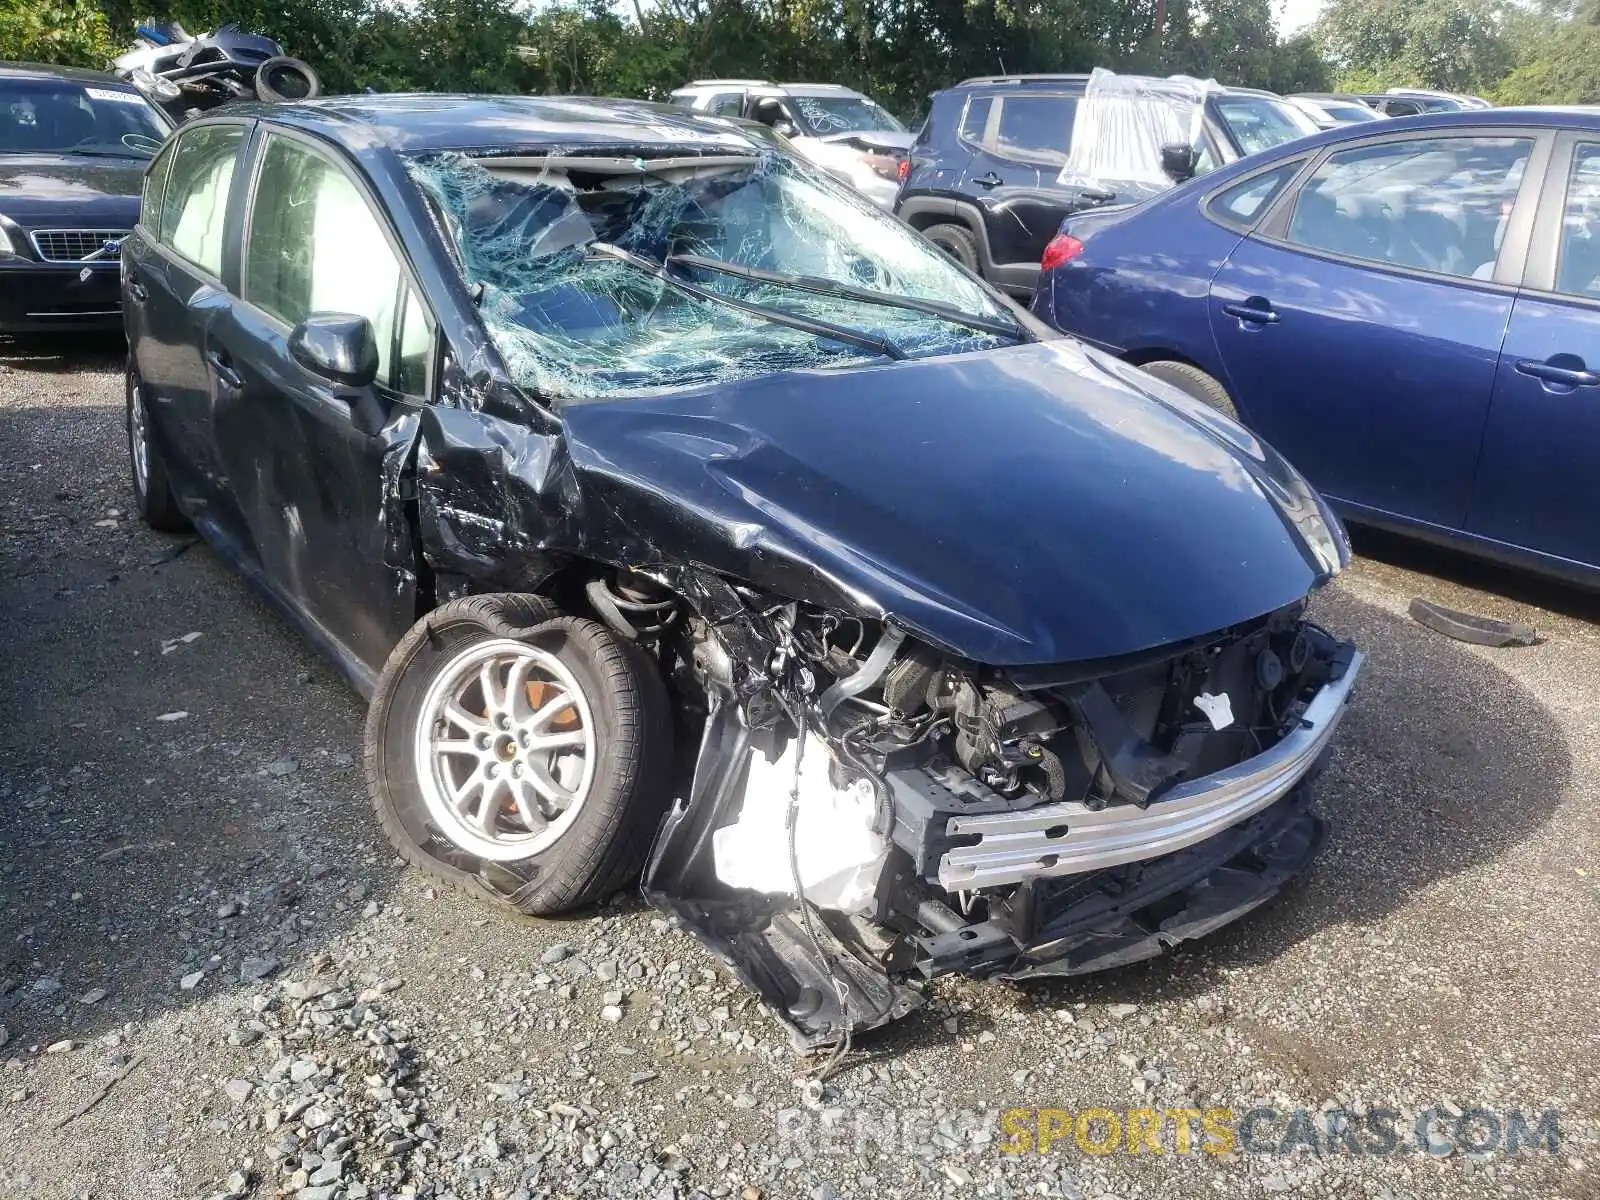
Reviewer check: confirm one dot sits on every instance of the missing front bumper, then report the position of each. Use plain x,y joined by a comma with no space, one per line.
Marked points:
1071,839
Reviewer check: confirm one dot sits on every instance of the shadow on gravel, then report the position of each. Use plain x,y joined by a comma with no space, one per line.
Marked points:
148,859
133,849
63,353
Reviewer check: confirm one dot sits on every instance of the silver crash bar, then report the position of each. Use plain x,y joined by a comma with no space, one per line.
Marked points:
1066,839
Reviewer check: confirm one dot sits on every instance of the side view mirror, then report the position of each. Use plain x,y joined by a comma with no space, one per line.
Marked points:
1178,161
783,127
339,347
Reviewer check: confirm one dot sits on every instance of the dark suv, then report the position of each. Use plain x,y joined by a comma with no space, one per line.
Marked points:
984,178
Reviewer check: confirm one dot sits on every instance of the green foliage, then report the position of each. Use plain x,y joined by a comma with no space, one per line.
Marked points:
1456,45
71,32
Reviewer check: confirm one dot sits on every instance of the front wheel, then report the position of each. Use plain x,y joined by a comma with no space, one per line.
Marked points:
1195,382
522,755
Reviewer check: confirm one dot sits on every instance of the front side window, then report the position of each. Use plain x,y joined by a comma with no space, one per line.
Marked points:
1038,128
616,278
154,190
1257,123
314,245
1438,204
195,204
1578,269
60,116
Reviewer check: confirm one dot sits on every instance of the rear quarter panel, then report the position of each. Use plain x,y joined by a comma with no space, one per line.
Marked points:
1139,288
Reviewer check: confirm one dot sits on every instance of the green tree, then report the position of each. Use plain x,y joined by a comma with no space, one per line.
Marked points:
1457,45
70,32
1561,68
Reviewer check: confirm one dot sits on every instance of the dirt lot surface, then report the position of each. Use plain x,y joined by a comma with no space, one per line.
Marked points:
197,911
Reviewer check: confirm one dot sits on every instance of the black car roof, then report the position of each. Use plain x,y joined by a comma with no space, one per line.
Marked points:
26,70
412,122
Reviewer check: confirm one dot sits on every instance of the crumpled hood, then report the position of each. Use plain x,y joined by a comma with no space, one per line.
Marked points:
69,191
1022,506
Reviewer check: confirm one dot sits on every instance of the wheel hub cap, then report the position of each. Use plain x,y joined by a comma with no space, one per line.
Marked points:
505,749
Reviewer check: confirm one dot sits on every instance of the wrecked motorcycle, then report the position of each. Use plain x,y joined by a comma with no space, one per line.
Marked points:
681,512
186,74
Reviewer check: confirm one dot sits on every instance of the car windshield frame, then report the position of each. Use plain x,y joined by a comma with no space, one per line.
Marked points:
81,107
1294,119
820,115
551,245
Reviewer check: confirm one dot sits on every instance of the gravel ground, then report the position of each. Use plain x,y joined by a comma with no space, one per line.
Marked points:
197,912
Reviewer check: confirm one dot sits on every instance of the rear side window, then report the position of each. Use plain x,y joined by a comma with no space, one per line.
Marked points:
1435,204
1244,202
316,246
976,118
1036,128
195,203
726,104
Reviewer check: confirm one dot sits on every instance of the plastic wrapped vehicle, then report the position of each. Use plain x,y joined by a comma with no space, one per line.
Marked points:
688,519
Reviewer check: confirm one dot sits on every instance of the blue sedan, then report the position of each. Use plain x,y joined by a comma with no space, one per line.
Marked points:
1408,311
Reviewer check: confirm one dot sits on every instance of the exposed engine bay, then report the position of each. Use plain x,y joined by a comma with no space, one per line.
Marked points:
937,815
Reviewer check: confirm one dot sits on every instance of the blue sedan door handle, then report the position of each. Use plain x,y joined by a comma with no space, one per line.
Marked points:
1564,378
988,180
1256,310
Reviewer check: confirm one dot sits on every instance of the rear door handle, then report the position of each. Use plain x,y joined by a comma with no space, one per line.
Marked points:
1548,373
226,375
137,292
988,180
1254,311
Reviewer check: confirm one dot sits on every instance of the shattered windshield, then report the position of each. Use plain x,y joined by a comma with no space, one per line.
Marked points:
843,114
1259,123
606,276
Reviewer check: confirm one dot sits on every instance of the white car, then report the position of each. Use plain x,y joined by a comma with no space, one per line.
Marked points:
850,136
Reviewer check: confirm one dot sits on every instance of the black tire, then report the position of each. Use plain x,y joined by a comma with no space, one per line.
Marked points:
284,78
609,837
957,241
152,494
1195,382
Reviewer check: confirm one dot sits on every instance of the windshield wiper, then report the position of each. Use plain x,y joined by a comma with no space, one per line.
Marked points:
838,333
844,291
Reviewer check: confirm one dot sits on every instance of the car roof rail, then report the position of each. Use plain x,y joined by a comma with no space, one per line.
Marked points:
719,82
1071,78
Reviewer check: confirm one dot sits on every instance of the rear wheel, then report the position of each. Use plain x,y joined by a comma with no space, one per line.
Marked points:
1195,382
956,241
522,755
152,494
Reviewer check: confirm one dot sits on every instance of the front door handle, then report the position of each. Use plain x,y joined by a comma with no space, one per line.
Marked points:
1255,310
137,292
226,375
988,180
1548,373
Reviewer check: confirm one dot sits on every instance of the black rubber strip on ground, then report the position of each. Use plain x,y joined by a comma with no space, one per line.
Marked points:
1467,627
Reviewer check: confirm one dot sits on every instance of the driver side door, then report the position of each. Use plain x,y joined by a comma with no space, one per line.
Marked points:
316,466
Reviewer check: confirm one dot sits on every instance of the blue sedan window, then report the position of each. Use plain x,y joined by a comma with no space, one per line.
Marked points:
1579,273
1435,204
1246,201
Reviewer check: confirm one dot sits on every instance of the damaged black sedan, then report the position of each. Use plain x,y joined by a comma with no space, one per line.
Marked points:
681,514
